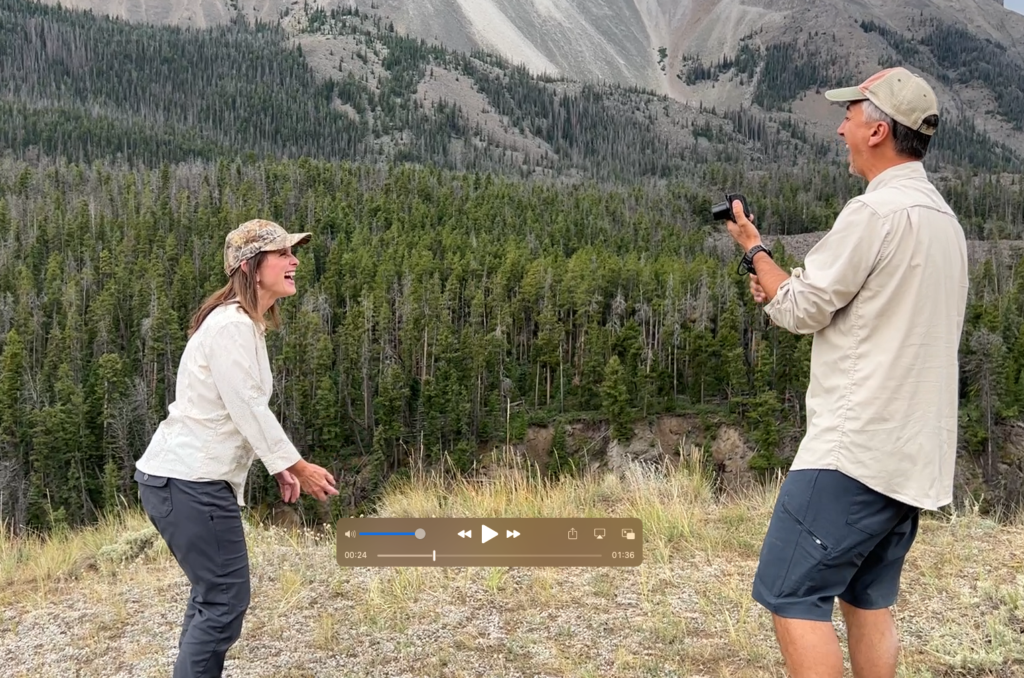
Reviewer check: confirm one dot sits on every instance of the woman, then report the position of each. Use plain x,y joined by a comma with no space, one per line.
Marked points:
192,475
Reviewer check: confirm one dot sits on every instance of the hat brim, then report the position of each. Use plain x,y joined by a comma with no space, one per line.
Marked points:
846,94
296,239
289,240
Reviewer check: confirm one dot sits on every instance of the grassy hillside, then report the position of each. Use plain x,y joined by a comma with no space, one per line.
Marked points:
108,600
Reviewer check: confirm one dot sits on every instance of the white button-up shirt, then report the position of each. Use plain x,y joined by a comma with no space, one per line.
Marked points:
221,420
884,292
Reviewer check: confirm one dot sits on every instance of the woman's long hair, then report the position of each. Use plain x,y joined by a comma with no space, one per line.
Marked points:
242,288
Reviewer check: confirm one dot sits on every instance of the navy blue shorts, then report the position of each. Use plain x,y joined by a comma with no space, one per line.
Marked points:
832,536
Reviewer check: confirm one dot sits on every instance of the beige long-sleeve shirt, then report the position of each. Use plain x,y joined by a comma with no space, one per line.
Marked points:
221,420
884,293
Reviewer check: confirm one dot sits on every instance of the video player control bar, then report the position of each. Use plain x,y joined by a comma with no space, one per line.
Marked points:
490,542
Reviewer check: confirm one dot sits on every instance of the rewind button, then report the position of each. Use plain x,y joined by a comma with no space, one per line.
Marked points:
466,533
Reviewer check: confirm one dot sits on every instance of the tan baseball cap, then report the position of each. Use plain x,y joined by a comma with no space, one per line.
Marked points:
257,235
905,97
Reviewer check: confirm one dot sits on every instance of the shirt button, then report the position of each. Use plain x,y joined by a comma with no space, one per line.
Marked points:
145,476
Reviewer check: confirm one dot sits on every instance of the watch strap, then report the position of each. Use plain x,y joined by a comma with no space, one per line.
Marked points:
747,262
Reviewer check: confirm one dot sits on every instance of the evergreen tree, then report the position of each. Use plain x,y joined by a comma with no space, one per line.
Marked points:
615,401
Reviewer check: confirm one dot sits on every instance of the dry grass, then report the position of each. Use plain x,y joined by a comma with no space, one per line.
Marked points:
88,601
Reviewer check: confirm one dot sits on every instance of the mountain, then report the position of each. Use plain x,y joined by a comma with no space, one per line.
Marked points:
727,54
732,53
342,83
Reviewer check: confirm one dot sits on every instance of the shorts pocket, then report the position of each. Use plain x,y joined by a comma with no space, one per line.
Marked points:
791,557
806,557
820,543
155,494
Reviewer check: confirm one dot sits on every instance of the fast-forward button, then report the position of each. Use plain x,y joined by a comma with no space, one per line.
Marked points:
511,534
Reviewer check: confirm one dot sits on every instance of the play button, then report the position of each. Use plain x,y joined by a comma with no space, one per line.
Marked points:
486,534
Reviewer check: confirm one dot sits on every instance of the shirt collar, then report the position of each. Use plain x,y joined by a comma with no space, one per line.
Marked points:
906,170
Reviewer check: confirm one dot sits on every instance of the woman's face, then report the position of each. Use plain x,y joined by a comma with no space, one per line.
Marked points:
276,275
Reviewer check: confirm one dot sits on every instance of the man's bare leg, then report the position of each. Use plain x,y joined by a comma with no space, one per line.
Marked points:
810,648
874,643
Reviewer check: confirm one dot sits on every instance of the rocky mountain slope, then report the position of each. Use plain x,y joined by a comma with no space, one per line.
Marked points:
720,53
733,53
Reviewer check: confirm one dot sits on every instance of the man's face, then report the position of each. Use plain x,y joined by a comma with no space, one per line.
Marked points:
856,132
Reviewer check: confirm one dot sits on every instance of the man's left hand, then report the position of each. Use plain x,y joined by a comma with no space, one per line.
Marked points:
289,486
756,290
742,229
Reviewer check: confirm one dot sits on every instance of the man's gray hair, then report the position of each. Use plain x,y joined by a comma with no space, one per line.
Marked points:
873,113
909,142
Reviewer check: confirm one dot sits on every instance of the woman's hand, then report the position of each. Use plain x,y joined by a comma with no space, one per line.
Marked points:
289,486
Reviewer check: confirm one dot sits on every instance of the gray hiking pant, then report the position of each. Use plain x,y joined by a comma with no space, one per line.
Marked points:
202,526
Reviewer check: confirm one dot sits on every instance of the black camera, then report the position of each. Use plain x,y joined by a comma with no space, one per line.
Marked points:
723,210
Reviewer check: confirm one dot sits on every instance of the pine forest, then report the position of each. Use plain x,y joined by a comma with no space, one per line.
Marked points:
456,291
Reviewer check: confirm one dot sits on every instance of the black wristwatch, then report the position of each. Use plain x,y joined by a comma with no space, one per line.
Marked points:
747,262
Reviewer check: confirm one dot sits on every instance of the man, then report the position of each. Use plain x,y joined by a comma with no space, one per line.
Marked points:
884,294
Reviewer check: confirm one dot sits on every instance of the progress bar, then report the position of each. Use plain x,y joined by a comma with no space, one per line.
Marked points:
408,555
433,555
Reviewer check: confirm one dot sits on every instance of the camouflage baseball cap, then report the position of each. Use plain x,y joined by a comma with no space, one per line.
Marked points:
257,235
905,97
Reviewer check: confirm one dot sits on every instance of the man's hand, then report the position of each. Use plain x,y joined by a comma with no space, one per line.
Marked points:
289,486
742,229
757,291
765,284
315,480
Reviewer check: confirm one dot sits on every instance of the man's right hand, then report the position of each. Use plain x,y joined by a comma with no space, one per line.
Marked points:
756,290
314,480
